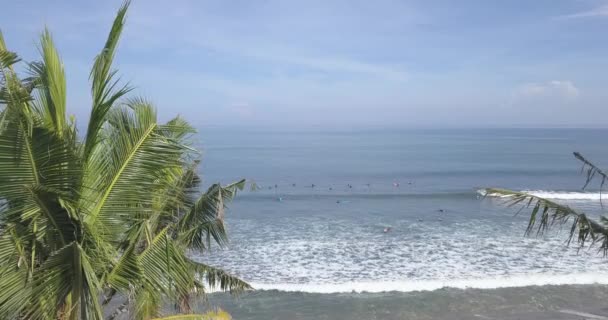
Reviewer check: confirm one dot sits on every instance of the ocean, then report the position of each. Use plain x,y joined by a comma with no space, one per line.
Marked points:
400,210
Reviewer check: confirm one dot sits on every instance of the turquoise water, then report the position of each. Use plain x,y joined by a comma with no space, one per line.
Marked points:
317,221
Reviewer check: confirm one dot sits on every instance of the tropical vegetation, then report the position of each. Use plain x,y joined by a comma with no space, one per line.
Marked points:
100,223
546,213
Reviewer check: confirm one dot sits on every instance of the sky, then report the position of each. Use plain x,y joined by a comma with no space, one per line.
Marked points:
339,64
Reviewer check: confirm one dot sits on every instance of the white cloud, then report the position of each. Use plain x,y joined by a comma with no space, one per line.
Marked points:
307,36
601,11
550,89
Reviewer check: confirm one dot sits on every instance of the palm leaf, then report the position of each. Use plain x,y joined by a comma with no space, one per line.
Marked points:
7,58
218,278
127,167
592,171
111,215
164,266
104,86
52,85
16,288
126,271
59,281
205,219
546,214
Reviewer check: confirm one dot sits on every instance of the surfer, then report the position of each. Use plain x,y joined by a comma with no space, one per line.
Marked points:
387,229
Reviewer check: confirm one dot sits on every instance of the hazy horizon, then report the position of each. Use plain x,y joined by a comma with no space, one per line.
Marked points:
339,64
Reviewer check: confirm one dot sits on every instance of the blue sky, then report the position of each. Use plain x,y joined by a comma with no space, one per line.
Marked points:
344,64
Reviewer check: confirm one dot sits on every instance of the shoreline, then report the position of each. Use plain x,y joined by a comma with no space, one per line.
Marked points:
495,282
530,302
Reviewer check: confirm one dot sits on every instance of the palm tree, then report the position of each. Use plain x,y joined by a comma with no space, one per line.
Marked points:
105,218
546,213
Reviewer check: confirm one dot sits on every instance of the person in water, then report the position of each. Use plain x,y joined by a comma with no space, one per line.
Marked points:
387,229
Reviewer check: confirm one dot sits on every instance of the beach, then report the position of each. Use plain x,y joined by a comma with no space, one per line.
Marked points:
522,303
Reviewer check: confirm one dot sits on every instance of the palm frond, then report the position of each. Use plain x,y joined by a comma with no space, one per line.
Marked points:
52,88
59,281
38,157
546,214
591,172
12,91
205,219
219,279
164,266
126,271
7,58
104,85
127,167
110,215
146,303
18,166
16,288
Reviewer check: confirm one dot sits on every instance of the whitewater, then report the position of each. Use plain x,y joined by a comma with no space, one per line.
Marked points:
317,222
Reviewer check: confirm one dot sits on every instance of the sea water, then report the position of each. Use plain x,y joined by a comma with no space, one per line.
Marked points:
400,210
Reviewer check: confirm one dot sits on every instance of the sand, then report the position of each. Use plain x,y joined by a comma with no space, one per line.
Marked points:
535,302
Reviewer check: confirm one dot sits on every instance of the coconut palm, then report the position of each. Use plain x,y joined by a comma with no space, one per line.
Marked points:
103,219
546,213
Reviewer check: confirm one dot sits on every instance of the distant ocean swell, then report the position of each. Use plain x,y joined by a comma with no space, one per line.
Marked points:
263,196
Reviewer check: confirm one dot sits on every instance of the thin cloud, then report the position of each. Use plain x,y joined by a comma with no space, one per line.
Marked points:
550,89
601,11
309,36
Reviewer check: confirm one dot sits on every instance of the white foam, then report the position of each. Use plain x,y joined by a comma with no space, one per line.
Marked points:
430,285
566,195
556,195
476,254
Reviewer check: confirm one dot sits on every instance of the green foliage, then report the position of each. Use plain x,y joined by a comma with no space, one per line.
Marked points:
546,213
108,217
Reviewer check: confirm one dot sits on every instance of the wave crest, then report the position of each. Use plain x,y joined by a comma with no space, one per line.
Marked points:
556,195
430,285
